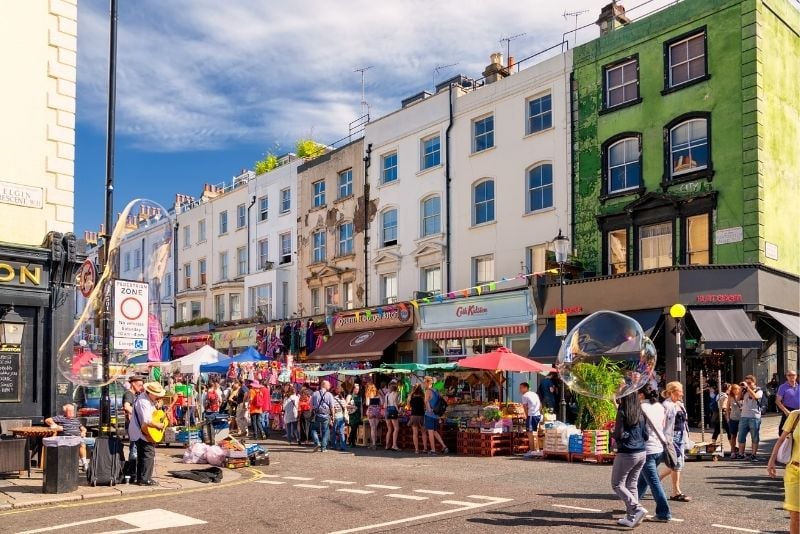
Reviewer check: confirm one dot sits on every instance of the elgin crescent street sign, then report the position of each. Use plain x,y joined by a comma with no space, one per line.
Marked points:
131,301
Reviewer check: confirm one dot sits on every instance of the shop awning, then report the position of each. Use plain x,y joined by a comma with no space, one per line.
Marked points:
726,329
488,331
790,322
356,346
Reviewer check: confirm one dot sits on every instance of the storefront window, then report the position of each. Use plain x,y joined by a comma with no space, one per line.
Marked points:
697,240
450,349
618,251
655,246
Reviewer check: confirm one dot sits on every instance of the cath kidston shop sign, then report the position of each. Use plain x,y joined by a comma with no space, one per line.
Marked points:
131,302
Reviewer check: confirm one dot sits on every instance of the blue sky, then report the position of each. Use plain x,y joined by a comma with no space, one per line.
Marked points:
204,87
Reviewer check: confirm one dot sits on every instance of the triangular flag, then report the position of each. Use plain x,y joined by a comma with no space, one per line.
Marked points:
478,289
402,307
415,304
368,313
426,300
451,295
439,299
492,286
358,316
379,310
465,292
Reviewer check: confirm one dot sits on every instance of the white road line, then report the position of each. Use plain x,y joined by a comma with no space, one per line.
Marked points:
473,506
381,486
738,529
672,520
273,482
310,486
301,479
407,497
576,508
270,476
340,482
141,521
356,491
482,497
434,492
462,503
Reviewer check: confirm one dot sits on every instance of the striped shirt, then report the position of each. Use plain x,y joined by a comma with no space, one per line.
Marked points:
71,425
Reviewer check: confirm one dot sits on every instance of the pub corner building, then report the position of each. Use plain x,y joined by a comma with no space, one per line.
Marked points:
37,310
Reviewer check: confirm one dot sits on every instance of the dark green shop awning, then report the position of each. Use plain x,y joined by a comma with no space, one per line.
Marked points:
726,329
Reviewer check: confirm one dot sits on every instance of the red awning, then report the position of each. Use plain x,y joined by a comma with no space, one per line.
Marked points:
487,331
356,346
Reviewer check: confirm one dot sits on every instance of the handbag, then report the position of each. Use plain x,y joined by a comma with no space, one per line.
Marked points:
784,454
670,455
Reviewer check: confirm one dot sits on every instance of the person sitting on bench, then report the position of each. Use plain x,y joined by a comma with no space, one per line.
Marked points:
69,425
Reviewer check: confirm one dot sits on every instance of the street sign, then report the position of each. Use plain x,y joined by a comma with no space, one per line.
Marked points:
87,276
131,301
561,324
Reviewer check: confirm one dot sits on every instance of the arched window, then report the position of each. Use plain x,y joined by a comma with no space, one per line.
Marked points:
624,165
540,187
431,210
483,202
389,228
688,147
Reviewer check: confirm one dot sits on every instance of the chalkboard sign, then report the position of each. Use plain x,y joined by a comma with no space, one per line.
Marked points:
10,374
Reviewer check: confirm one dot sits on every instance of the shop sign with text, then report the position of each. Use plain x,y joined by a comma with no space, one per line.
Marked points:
499,309
13,273
388,316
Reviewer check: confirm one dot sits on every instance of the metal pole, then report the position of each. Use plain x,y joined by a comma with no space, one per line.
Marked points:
679,349
702,407
105,405
563,405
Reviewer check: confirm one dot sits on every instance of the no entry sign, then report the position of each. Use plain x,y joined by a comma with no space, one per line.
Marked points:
130,315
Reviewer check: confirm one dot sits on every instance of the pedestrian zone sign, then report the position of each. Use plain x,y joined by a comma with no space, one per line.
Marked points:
131,301
561,324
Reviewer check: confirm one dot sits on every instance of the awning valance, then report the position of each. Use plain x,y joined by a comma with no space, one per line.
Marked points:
726,329
790,322
356,346
488,331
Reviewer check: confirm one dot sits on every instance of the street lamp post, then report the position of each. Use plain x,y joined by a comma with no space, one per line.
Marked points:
561,244
677,312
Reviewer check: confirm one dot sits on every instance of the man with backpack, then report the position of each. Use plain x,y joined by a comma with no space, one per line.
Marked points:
322,406
753,403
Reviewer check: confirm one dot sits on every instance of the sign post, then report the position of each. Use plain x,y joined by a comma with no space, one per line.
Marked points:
131,312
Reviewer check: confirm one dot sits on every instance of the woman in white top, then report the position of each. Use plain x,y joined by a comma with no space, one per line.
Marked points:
655,414
392,413
290,414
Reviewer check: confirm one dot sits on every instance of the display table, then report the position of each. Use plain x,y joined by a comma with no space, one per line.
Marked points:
34,434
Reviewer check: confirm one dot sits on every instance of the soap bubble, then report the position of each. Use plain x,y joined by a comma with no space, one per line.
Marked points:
606,356
79,357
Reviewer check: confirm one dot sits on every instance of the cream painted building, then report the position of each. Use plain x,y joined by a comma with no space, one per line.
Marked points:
37,104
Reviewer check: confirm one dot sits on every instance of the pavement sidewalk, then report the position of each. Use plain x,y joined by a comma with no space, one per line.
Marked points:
23,492
768,434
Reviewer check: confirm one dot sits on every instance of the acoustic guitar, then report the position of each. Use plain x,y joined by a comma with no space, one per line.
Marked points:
153,434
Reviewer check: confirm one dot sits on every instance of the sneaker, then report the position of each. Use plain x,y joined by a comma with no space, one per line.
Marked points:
657,519
445,451
626,521
754,458
316,448
538,454
640,514
529,454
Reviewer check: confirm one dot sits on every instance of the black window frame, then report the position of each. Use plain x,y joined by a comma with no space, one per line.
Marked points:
608,109
667,179
605,194
667,65
608,225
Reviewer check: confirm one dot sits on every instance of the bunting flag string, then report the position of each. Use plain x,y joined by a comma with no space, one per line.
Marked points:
451,295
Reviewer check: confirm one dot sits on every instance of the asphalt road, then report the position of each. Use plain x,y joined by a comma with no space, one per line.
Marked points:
370,491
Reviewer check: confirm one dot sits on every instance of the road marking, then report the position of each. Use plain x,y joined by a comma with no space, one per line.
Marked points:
434,492
271,476
141,521
381,486
310,486
356,491
672,520
273,482
461,503
407,497
340,482
576,508
738,529
300,479
482,497
473,506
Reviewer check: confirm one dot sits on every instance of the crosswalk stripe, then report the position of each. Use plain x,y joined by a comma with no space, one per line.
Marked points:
356,491
407,497
341,482
310,486
576,508
463,503
302,479
273,482
270,476
381,486
434,492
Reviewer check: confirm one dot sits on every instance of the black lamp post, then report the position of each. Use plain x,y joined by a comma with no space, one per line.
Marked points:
561,244
677,312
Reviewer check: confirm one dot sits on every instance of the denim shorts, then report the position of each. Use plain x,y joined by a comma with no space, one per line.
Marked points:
749,425
532,424
431,423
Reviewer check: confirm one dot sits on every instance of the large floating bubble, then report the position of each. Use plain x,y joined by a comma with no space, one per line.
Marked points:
79,357
606,356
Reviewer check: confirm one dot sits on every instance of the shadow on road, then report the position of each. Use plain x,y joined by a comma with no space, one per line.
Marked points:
551,518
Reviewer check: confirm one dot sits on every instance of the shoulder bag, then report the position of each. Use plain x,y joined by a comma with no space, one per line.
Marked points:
670,455
784,454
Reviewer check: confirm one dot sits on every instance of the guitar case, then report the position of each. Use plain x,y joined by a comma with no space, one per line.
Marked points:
107,463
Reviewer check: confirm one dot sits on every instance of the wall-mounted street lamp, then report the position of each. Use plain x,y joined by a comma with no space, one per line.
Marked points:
561,244
677,312
12,327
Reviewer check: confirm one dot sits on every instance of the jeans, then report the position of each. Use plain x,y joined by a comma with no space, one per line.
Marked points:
625,477
649,477
339,439
145,460
749,425
320,431
306,422
258,426
132,449
292,432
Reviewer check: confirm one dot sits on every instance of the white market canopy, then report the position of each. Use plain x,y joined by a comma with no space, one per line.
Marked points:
191,362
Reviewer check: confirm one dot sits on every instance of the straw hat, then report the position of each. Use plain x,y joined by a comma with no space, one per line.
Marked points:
154,388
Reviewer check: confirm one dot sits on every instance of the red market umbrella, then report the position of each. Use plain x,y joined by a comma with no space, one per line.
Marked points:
502,359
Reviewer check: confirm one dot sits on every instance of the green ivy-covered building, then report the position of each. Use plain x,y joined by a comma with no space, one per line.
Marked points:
686,179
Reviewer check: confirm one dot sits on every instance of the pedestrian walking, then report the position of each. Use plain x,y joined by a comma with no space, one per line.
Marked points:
655,415
676,428
290,415
256,408
373,413
791,473
354,412
631,435
750,422
734,415
787,399
392,414
340,420
306,417
431,419
322,403
416,405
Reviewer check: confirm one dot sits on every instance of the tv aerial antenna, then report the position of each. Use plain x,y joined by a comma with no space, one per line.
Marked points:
364,105
507,41
575,15
437,69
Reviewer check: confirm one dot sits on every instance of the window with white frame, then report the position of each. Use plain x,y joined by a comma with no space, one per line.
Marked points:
318,193
263,253
389,228
536,258
431,152
168,285
431,216
286,200
241,261
345,183
540,187
187,276
483,202
183,312
483,133
286,248
197,309
261,302
698,246
241,216
127,262
347,295
315,304
624,165
618,251
235,302
219,308
137,258
432,279
187,236
332,295
201,271
622,83
389,288
655,246
540,114
263,208
483,269
345,239
688,147
201,231
223,222
223,265
284,300
318,250
687,59
389,168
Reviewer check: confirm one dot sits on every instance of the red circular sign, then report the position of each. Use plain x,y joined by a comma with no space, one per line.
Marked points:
86,278
131,308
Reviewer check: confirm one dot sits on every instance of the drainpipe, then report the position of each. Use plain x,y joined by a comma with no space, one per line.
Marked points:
367,163
447,181
573,104
175,269
252,201
142,254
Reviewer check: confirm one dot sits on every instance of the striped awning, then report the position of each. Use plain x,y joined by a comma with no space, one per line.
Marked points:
487,331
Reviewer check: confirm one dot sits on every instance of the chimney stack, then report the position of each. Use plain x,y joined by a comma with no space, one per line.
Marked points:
611,17
495,70
512,61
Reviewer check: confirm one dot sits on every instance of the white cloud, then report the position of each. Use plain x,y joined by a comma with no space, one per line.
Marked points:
203,74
